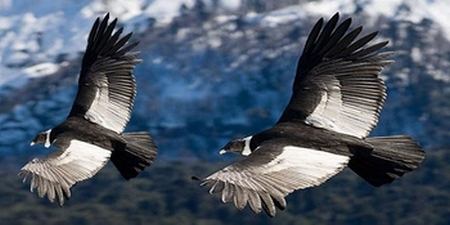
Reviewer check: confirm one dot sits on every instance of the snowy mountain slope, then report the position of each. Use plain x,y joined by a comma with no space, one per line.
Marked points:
35,37
215,70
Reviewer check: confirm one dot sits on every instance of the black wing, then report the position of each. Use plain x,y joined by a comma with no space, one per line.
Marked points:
74,161
337,84
270,173
106,87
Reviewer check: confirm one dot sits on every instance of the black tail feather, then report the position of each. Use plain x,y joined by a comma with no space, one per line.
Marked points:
391,157
139,153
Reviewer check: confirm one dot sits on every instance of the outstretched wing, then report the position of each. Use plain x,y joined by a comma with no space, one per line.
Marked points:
267,175
337,85
106,87
74,161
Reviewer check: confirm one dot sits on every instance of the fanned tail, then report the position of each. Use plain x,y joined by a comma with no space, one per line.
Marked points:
391,157
139,153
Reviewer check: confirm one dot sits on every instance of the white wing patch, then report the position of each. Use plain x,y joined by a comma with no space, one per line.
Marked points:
351,109
311,166
326,114
56,174
249,181
107,112
89,155
99,107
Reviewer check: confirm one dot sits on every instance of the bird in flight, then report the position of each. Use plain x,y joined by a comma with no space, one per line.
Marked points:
93,134
337,96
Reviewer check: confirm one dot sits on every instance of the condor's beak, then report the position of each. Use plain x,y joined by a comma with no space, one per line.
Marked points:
222,151
32,143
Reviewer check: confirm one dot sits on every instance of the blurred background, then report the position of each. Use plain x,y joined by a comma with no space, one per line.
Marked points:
215,70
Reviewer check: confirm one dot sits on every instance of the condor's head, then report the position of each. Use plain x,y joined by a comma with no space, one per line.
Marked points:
42,138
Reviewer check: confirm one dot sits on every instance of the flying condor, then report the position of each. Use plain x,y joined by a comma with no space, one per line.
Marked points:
93,134
337,96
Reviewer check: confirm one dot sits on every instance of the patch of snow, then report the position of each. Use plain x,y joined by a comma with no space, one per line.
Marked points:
157,60
224,18
5,3
182,33
416,54
230,5
124,10
214,42
165,11
42,69
5,23
328,8
411,10
282,16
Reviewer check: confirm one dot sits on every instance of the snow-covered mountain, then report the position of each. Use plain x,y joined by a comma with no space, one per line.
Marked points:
214,69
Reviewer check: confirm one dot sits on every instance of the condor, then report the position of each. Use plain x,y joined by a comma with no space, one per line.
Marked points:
93,134
336,100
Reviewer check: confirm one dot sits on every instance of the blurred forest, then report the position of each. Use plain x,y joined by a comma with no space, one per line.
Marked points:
165,194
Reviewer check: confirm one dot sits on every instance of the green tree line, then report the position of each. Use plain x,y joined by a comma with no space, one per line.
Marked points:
165,194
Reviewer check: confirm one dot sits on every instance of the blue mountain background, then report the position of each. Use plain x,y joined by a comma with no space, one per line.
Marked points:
211,70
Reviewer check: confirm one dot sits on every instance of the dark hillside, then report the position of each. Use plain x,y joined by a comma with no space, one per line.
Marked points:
164,194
